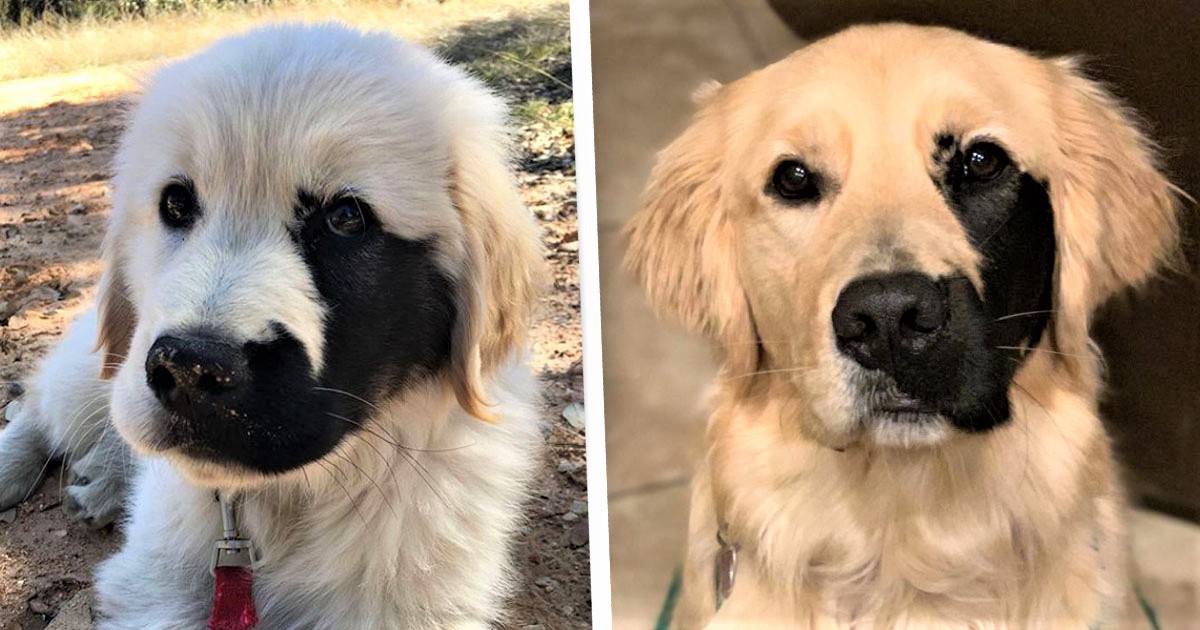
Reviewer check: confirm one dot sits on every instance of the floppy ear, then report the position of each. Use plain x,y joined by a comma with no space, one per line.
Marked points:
117,317
1116,213
504,270
682,244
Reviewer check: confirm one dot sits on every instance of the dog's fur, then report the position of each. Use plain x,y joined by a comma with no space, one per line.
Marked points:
842,517
397,510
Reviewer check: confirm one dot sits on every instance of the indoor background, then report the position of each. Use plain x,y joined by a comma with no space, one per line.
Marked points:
648,57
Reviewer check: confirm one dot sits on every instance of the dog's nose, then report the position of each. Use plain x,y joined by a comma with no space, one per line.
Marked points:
880,319
187,371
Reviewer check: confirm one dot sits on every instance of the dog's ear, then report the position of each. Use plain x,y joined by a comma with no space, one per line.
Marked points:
1116,212
683,246
505,269
117,317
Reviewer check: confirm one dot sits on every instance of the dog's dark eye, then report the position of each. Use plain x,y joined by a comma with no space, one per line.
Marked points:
984,161
345,218
793,181
177,206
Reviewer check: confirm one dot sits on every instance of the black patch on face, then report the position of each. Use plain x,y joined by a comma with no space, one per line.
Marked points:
390,313
936,343
390,307
1010,222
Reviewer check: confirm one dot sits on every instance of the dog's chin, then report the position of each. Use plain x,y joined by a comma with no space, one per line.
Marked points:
146,427
210,474
906,429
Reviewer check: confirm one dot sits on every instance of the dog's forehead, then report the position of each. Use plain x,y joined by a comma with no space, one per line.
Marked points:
261,118
897,84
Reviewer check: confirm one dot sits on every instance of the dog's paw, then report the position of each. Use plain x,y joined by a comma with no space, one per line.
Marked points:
22,457
94,502
95,495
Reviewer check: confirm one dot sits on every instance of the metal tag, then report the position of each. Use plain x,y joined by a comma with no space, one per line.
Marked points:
726,570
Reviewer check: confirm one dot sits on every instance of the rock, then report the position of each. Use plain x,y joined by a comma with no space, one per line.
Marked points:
39,607
570,517
12,410
573,414
41,294
62,533
9,515
75,614
579,507
578,536
547,583
567,466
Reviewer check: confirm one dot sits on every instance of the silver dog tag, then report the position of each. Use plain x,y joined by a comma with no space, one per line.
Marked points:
726,570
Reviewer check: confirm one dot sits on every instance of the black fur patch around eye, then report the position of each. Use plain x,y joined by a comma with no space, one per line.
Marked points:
390,308
1010,222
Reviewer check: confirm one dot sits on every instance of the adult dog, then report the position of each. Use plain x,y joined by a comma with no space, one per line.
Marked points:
318,280
897,235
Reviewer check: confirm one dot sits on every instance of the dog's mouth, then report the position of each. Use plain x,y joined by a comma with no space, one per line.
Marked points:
898,403
885,402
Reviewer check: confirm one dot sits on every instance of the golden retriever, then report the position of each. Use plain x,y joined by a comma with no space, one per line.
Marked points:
897,236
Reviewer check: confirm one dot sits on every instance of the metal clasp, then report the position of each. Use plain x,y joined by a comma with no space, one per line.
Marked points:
231,550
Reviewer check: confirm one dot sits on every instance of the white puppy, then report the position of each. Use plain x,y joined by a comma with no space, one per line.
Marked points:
318,280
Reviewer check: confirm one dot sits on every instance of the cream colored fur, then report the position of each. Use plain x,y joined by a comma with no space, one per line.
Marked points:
408,522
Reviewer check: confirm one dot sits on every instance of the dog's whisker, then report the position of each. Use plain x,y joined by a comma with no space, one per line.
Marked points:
798,369
353,503
1025,314
391,439
307,481
1047,350
348,395
387,501
391,469
419,468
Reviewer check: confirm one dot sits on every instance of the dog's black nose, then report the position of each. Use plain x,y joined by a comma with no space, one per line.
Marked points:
883,319
188,372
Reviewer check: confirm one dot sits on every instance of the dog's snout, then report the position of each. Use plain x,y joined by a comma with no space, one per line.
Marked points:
190,370
879,319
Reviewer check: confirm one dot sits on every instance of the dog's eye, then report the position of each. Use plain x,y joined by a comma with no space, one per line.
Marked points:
793,181
345,218
984,161
177,206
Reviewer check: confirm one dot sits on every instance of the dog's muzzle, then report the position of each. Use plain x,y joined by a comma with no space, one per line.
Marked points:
248,403
927,347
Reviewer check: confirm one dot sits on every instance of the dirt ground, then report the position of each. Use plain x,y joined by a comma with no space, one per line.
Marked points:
54,162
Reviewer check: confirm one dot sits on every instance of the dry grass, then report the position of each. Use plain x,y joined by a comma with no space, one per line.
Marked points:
46,49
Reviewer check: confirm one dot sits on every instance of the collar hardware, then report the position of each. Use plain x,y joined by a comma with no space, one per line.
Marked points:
231,550
725,569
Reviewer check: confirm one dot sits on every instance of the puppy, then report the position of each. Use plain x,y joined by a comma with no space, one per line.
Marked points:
897,236
318,280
